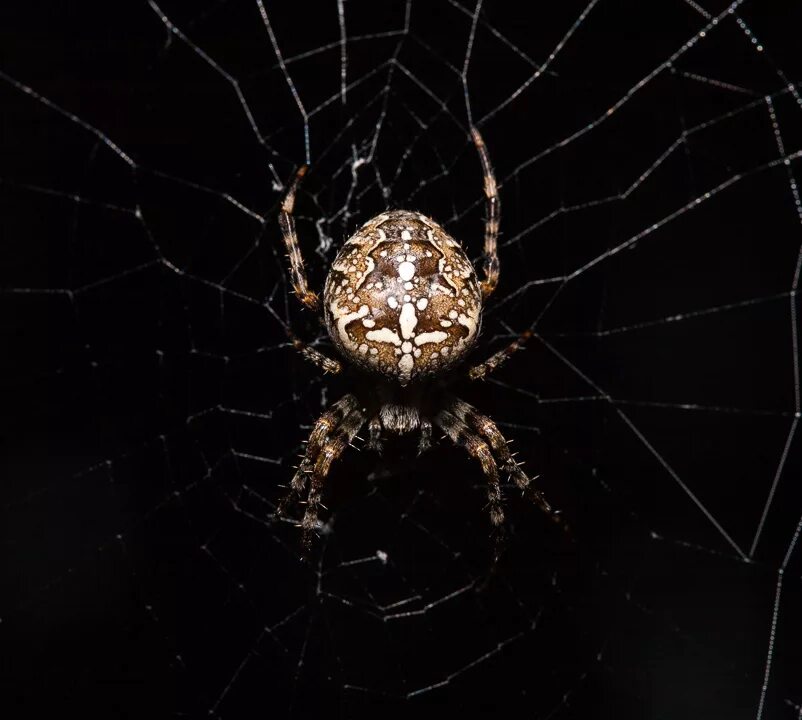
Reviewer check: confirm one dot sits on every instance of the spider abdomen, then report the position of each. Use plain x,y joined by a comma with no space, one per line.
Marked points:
402,298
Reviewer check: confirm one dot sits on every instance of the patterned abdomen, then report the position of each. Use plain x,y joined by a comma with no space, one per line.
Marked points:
402,298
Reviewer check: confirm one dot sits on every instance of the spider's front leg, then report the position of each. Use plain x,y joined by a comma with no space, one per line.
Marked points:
325,426
488,430
461,434
333,432
331,450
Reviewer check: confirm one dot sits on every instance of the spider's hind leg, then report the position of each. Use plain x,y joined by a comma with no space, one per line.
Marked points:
286,220
491,264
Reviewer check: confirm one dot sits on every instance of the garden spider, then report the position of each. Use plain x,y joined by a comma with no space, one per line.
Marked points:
403,304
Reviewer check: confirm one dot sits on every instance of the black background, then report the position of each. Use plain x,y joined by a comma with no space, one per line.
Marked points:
145,370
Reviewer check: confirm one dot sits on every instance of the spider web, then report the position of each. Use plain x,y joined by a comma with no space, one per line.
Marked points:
648,157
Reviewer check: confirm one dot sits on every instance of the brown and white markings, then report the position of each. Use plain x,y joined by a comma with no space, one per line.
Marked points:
402,298
403,305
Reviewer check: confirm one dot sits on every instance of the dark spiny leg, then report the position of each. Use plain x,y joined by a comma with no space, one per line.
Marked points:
375,434
461,434
324,362
489,430
287,223
329,422
491,266
425,441
331,450
325,426
482,370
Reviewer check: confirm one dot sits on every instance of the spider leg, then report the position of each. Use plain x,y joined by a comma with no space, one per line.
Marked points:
324,427
483,369
488,430
462,435
491,264
331,450
287,223
324,362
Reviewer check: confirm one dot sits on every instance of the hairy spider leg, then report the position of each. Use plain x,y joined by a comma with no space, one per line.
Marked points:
488,430
298,276
491,264
331,450
326,424
460,434
483,369
324,362
287,223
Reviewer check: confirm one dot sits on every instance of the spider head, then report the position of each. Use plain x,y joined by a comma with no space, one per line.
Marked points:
402,298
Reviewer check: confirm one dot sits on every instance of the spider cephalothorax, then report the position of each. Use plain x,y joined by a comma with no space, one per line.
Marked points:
402,303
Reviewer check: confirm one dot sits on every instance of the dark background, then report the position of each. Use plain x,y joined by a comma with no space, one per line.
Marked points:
152,409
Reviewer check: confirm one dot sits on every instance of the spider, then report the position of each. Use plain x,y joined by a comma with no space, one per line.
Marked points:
402,303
